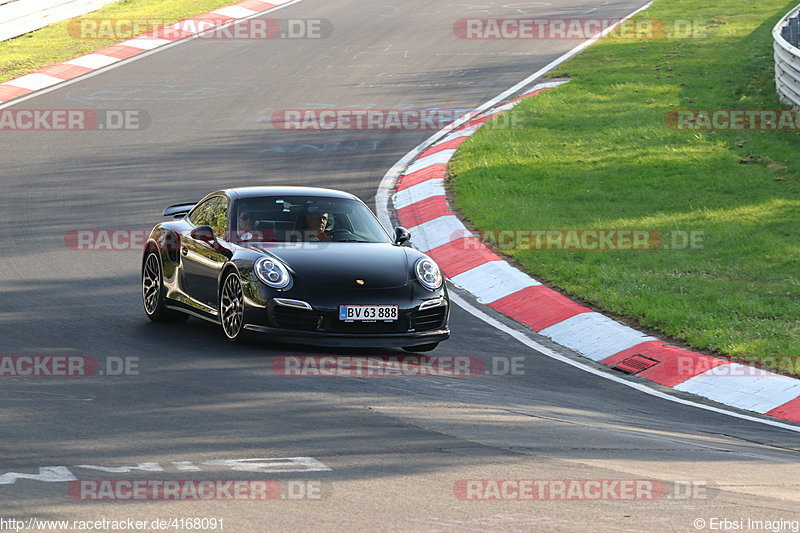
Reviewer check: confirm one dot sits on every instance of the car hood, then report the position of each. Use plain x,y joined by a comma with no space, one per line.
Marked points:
339,265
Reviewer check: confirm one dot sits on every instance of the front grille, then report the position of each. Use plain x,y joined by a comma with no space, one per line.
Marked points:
306,320
428,319
339,326
293,318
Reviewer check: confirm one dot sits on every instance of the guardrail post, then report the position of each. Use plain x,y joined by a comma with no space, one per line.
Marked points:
786,37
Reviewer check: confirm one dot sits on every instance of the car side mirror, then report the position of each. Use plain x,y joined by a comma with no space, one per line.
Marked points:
204,234
401,235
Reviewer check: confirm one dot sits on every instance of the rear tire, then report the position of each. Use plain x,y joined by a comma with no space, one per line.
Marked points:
422,347
153,291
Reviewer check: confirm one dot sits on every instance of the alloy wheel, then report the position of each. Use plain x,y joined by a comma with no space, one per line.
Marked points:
232,306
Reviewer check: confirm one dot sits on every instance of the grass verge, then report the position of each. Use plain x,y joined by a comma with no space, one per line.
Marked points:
54,44
597,153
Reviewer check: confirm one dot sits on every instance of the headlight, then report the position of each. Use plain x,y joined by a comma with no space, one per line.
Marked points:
428,274
272,272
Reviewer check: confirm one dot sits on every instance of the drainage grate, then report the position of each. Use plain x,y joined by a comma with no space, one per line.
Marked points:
635,364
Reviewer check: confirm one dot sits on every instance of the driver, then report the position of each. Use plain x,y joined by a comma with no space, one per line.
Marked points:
245,226
316,224
245,221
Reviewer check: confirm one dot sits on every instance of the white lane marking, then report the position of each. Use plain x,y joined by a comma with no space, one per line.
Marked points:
504,107
34,81
236,12
191,25
419,192
524,7
466,132
383,196
437,232
48,474
269,464
93,61
493,280
279,4
530,343
145,43
743,386
435,159
386,188
548,85
144,467
594,335
57,474
186,466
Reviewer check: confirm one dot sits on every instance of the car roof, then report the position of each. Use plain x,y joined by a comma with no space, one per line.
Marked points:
258,191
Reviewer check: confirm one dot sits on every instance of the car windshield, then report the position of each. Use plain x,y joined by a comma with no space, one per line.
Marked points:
305,219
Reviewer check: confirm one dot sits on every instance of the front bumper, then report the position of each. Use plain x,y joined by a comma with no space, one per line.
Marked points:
321,325
353,340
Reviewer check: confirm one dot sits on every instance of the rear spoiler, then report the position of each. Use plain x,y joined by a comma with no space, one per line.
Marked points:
178,210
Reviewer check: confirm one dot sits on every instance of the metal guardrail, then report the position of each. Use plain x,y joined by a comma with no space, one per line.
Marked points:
18,17
786,36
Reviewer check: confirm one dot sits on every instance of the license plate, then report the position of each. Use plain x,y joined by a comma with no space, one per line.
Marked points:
369,313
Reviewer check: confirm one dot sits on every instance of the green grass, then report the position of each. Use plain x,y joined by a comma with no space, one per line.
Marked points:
54,44
596,153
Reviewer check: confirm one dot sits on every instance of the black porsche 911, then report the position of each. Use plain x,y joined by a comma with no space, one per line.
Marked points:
301,264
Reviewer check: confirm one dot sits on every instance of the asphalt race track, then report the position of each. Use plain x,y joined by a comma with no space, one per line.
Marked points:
396,449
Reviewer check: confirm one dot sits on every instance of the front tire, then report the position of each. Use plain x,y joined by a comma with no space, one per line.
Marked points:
422,347
231,307
153,291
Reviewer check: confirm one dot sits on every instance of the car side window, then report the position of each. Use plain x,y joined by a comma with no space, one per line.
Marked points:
213,212
201,214
219,218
